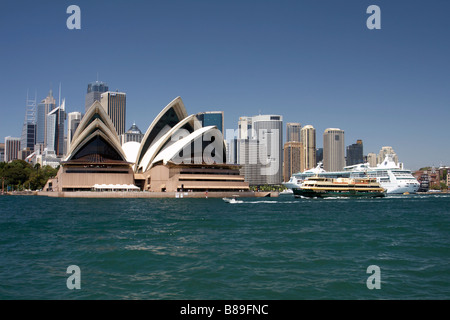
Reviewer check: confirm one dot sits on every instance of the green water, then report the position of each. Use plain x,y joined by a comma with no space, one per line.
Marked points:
280,248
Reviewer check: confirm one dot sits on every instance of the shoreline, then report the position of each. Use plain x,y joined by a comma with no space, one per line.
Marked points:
155,195
163,195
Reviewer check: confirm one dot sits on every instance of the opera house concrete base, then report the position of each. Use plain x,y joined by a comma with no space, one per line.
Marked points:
136,195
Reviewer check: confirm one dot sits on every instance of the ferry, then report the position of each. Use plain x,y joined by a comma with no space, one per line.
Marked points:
392,177
321,187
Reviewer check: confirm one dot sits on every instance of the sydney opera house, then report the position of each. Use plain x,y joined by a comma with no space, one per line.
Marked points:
176,153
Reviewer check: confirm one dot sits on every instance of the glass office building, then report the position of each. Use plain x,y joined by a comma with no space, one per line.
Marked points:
213,118
94,93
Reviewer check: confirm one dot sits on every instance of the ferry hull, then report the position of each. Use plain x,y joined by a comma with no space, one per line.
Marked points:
325,194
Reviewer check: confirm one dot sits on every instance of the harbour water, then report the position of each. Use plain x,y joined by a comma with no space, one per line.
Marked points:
264,248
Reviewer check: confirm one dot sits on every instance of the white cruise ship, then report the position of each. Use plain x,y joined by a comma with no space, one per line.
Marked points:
392,177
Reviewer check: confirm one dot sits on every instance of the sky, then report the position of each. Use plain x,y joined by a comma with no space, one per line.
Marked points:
314,62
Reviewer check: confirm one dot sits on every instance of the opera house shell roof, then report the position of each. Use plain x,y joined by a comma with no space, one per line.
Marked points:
174,141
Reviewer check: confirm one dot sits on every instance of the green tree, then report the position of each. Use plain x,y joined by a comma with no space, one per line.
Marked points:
39,176
22,175
16,172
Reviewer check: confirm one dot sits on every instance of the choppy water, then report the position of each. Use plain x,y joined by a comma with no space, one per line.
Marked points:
278,248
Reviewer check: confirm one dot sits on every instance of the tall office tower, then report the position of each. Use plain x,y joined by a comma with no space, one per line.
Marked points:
232,151
248,159
245,128
28,139
269,133
243,135
2,152
293,153
319,155
355,153
308,139
293,131
333,149
43,109
12,147
260,149
94,93
212,118
133,134
385,151
73,120
372,159
115,105
55,130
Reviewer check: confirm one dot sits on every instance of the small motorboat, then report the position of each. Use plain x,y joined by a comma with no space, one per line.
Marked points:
232,200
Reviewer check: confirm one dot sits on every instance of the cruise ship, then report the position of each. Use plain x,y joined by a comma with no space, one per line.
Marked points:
392,177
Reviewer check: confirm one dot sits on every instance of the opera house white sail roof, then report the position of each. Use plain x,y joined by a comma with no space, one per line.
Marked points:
161,143
168,135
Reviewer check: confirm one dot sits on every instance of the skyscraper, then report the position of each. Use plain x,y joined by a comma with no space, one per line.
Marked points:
333,149
293,131
245,128
2,152
355,153
260,140
372,159
43,108
115,105
385,151
293,153
212,118
94,93
55,130
12,147
73,120
232,151
308,140
28,139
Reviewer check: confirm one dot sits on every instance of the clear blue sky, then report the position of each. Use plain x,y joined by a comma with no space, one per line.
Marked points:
313,62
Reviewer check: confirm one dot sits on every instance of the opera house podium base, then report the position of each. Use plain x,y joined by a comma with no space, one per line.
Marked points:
145,194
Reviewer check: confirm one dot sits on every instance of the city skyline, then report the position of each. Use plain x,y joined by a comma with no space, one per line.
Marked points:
313,64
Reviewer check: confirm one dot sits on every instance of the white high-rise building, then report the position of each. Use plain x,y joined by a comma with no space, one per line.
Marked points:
260,149
73,120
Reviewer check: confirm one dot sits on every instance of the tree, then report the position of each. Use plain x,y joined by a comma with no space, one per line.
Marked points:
39,176
16,172
19,173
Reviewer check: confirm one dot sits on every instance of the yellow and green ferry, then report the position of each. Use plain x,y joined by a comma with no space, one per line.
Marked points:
320,187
